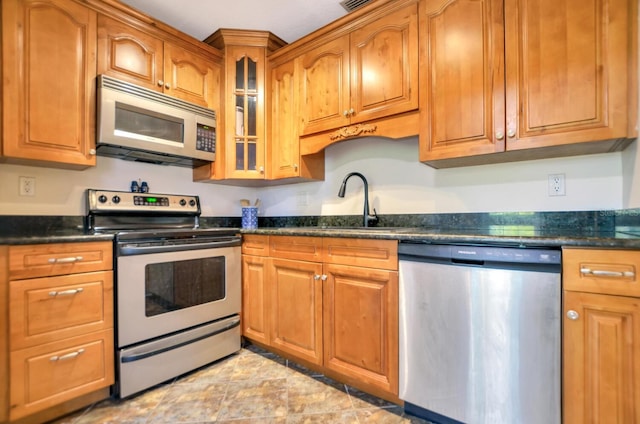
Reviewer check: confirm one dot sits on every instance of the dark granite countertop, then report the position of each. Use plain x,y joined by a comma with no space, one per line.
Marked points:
623,237
604,229
59,236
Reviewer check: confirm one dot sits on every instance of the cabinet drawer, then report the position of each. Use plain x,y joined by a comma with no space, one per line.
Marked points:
43,260
44,310
256,245
296,247
601,271
47,375
381,254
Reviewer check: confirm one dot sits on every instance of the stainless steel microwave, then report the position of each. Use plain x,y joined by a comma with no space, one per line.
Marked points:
143,125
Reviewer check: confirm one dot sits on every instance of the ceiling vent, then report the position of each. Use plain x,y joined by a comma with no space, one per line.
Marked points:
351,5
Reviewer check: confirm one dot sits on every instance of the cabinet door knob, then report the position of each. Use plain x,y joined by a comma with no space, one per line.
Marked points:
511,133
345,113
167,86
324,277
573,315
316,277
500,135
92,152
160,83
261,169
352,111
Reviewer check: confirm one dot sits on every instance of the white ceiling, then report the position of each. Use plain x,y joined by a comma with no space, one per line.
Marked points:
288,19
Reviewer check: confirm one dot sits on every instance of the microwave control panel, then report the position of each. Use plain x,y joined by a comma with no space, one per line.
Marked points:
206,138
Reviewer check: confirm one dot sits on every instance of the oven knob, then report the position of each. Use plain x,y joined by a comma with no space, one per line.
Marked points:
192,203
102,198
115,199
183,202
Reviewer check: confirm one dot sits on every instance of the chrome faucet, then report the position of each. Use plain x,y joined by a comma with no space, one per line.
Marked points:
368,220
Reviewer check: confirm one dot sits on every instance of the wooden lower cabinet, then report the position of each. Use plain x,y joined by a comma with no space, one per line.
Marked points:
47,375
340,319
601,352
254,298
361,324
296,308
601,334
58,344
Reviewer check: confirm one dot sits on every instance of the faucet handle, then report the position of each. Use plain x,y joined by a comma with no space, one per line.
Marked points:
372,220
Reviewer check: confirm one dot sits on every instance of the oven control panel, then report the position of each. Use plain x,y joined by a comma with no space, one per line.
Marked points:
124,201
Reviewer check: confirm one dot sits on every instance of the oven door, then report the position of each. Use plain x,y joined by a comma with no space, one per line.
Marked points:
162,293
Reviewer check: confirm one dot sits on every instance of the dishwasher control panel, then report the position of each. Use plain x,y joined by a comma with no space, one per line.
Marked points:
480,254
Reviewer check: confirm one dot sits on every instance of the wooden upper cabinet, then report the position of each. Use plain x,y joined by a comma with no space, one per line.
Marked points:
129,54
367,74
515,76
132,55
567,71
283,149
324,79
191,77
48,88
462,70
384,66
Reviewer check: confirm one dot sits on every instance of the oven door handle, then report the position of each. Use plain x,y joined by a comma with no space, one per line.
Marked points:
143,353
128,249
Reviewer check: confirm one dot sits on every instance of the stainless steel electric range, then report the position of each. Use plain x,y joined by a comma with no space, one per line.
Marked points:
177,286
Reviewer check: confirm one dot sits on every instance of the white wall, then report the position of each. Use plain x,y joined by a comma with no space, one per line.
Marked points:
398,184
61,192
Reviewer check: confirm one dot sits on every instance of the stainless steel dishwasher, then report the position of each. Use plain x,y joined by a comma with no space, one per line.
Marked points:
480,333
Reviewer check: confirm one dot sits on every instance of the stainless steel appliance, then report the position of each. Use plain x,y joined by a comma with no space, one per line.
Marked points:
142,125
177,288
480,333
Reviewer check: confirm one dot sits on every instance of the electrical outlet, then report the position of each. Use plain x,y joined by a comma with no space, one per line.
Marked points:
556,185
27,186
302,199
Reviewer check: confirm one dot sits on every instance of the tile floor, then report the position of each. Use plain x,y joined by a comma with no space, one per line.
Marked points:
252,386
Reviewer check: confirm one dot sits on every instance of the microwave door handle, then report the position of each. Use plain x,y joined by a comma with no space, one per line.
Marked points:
132,249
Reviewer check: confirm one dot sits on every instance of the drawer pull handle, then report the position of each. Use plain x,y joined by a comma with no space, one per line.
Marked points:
65,260
603,273
66,292
67,356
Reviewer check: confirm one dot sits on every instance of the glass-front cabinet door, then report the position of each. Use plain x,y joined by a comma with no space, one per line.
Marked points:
249,145
242,154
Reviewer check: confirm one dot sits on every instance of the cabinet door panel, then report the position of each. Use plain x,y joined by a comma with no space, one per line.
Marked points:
566,71
189,76
296,305
50,374
384,66
601,351
128,54
44,310
49,66
284,145
45,260
361,324
324,79
462,78
255,298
